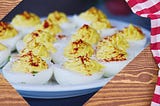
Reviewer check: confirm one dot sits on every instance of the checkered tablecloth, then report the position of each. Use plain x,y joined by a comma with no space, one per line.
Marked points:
151,9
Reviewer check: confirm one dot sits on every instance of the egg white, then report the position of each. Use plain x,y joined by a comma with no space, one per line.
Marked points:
58,56
20,45
68,28
11,42
112,68
136,47
107,32
24,30
4,55
79,21
21,77
67,77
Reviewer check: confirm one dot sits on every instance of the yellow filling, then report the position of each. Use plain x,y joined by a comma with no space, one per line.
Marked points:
37,49
83,65
98,18
29,63
42,38
57,17
101,24
112,48
2,47
7,31
87,34
93,14
49,27
78,48
133,33
26,19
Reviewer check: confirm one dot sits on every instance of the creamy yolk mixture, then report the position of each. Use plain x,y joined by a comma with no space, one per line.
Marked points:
7,31
26,19
83,65
78,48
29,63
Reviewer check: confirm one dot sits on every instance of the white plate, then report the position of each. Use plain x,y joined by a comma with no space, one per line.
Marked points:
54,90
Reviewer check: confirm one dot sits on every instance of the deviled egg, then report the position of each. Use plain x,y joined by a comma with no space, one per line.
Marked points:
57,17
112,53
61,19
78,71
97,17
49,27
87,34
78,48
37,37
97,20
28,68
136,39
133,33
4,54
9,35
25,22
88,16
93,14
37,49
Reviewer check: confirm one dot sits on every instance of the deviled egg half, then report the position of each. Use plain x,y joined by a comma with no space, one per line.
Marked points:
38,49
119,49
9,35
65,23
49,27
97,20
37,37
4,54
87,34
112,53
57,17
25,22
88,16
78,48
80,70
39,42
28,68
136,39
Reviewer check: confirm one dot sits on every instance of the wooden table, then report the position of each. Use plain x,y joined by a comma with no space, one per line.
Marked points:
9,96
134,85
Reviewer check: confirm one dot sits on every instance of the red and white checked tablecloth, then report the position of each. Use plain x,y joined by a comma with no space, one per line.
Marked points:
151,9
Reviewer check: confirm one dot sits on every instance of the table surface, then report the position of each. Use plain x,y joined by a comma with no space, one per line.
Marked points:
9,96
134,85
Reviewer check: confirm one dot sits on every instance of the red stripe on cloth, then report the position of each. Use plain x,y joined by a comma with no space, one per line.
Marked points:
155,31
155,46
157,59
151,10
154,16
156,98
158,81
153,13
134,2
